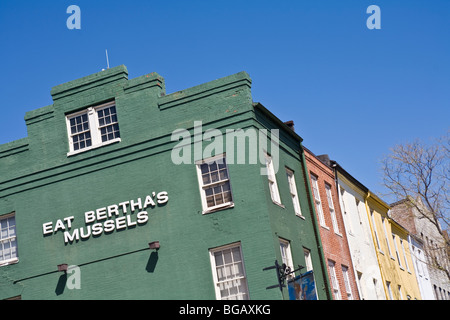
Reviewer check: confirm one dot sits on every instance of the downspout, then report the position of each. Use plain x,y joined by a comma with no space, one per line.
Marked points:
316,227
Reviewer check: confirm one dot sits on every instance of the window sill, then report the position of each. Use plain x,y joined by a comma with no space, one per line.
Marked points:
9,261
71,153
279,204
300,216
219,207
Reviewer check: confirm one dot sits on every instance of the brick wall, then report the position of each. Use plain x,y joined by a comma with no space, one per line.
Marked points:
335,245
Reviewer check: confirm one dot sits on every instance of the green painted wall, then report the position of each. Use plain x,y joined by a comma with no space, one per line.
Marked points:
40,183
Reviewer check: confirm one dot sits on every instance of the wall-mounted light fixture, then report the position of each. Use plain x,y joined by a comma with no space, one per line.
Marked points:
62,267
154,245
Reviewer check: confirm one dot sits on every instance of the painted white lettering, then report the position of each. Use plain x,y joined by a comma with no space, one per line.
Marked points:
133,204
162,197
59,225
69,220
101,214
97,229
124,206
47,228
120,223
148,202
113,209
89,216
109,225
87,234
70,238
142,217
129,222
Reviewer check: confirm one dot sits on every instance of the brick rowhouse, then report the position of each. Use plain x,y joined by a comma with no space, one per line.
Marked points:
331,227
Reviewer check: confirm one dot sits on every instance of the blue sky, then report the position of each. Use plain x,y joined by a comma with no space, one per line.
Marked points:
352,92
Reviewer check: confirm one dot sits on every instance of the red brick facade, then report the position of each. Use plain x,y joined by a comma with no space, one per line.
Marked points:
332,233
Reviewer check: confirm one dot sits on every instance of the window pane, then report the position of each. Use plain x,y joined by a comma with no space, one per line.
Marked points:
206,179
214,176
13,248
218,258
210,201
107,121
213,166
6,250
231,281
227,256
223,175
204,168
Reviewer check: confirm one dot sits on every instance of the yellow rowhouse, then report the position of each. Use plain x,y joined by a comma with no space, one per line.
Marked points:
393,252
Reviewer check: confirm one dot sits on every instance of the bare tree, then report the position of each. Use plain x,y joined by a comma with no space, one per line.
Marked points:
420,173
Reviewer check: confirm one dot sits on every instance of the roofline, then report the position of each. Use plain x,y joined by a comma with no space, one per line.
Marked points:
352,179
258,105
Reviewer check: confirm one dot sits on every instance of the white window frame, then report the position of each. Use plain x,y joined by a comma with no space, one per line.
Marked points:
293,191
375,287
334,280
308,259
375,230
383,222
94,128
8,238
400,292
331,208
317,200
396,251
347,215
348,287
243,277
388,285
404,255
271,176
203,187
286,255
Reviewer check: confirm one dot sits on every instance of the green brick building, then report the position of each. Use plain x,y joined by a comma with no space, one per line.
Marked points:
114,164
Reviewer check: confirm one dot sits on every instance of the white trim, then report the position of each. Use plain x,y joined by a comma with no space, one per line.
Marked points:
348,287
333,217
214,267
388,285
286,256
10,239
334,280
294,194
383,219
71,153
404,254
94,128
202,187
317,200
273,186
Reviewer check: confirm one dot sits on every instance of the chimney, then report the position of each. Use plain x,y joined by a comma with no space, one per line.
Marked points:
290,124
